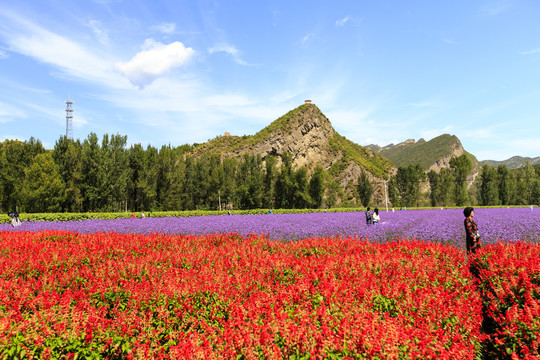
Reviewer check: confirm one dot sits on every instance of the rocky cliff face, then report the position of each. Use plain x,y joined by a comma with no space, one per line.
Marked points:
444,162
305,136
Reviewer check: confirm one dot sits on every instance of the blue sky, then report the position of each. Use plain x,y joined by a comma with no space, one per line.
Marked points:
177,72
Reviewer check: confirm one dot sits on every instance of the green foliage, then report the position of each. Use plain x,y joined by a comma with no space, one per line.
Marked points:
302,199
107,177
67,155
43,189
316,187
489,191
441,185
422,152
374,163
269,181
249,183
217,145
505,189
15,158
365,189
404,187
284,191
461,167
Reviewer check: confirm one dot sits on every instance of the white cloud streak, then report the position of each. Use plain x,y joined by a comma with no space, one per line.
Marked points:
165,28
342,22
101,35
9,113
531,52
70,57
229,50
304,39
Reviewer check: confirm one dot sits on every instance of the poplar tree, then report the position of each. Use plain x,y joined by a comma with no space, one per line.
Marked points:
365,189
461,167
316,187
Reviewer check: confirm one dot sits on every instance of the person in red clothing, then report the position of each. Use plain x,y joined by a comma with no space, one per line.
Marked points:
471,231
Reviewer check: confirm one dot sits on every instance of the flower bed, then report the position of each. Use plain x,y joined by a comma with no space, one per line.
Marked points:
508,279
230,296
442,226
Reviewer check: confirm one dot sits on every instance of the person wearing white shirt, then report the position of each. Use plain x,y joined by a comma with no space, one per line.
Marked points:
376,217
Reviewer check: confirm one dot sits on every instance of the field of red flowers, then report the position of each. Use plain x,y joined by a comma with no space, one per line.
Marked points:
116,296
508,279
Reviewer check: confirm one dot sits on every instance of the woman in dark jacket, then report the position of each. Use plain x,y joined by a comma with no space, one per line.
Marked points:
471,231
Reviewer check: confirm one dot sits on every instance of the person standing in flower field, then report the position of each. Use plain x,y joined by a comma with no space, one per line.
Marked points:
369,219
471,231
376,217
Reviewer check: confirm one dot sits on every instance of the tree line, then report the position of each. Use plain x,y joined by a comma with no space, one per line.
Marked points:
91,175
412,186
106,175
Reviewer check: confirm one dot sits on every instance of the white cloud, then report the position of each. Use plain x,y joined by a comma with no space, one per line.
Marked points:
531,52
229,50
3,54
165,28
306,38
343,21
70,57
101,35
79,121
9,113
155,61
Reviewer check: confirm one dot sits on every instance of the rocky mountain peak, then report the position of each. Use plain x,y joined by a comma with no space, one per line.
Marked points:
307,134
303,132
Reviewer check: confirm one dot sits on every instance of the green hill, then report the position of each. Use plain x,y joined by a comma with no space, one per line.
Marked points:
308,135
513,163
433,153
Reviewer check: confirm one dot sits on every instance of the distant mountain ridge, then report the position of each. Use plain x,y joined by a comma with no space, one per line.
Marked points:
431,155
513,163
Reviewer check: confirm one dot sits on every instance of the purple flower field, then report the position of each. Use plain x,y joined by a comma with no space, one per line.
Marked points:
444,226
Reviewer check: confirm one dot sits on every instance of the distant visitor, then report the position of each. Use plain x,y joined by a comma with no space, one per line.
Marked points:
471,231
375,216
369,218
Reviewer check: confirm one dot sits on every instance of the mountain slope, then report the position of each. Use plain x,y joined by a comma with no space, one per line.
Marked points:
307,134
514,162
431,155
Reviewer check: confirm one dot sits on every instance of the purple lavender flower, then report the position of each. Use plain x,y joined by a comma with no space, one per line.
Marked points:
442,226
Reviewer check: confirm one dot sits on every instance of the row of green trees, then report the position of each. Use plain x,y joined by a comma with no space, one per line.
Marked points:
501,186
86,176
454,186
91,175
